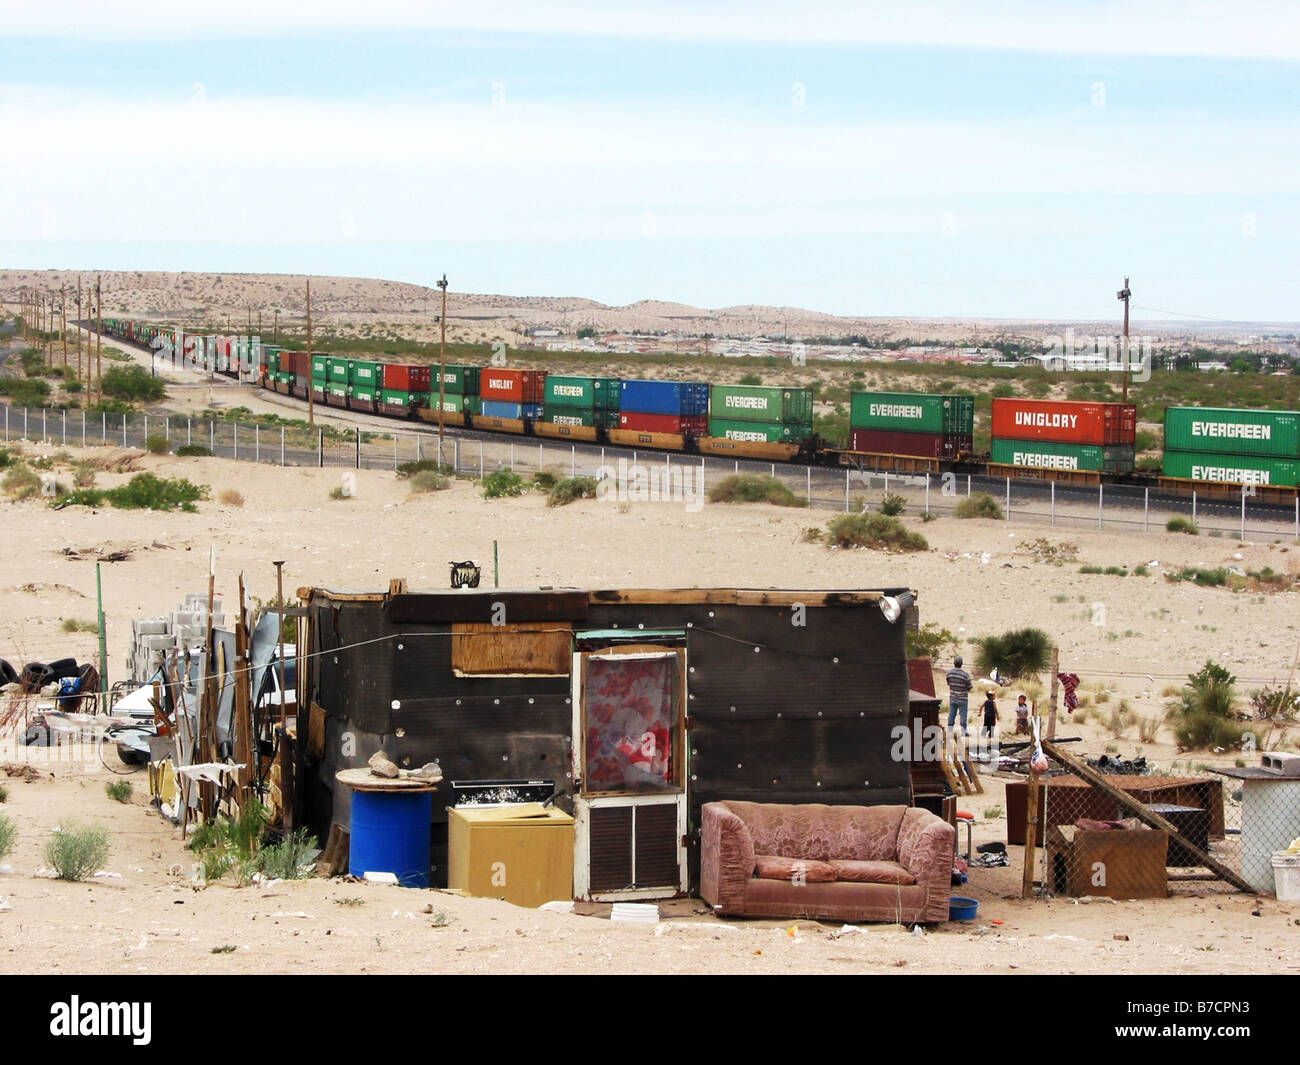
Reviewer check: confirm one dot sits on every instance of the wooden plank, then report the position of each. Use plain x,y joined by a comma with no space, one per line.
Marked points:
479,649
1056,685
1032,832
737,596
1139,810
316,730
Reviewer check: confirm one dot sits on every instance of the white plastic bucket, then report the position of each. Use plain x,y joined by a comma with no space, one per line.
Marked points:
1286,876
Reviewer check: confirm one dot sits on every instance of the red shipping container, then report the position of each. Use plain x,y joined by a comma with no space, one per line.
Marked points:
1065,421
512,386
921,445
400,378
695,425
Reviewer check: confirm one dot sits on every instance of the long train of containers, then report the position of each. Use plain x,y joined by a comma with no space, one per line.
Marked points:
760,414
924,425
1219,444
676,408
1064,435
585,401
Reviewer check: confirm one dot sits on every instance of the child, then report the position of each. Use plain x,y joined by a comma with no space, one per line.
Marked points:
1022,715
990,714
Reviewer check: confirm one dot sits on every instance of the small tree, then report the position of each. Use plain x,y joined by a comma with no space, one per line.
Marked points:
1018,653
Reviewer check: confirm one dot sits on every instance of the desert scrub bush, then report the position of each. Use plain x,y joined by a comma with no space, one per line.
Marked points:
1017,653
133,384
1203,714
231,498
547,479
930,641
1081,714
992,813
571,488
1148,729
83,475
340,491
979,505
1179,524
410,469
873,530
1274,704
813,535
119,790
4,793
7,457
1044,550
230,843
1206,578
76,851
502,484
22,482
429,481
8,835
156,444
80,625
754,488
193,451
289,859
144,491
892,504
1119,722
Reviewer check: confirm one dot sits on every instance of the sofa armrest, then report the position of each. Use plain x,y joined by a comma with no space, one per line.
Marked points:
926,845
726,859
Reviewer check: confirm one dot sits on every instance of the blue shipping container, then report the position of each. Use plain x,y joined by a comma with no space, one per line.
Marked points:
533,411
499,408
681,398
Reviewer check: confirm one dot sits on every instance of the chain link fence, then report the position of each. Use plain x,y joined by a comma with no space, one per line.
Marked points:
662,475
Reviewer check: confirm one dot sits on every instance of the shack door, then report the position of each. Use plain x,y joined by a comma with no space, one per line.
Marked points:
629,750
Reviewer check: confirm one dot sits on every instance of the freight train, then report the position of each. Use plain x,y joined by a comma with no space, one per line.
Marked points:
1219,453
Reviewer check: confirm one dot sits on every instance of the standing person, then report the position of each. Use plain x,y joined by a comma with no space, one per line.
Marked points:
959,686
1022,715
990,714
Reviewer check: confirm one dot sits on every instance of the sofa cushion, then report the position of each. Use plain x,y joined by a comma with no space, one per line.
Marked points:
809,871
813,830
871,872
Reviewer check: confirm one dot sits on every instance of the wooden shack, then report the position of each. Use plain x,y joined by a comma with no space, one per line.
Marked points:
641,704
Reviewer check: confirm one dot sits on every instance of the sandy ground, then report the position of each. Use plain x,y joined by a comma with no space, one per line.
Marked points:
976,579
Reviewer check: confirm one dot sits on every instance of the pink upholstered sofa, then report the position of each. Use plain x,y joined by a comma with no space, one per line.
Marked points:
851,863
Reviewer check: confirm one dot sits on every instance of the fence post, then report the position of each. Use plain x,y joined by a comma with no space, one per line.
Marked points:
846,491
419,447
189,430
1243,510
1297,517
480,460
83,422
1100,511
737,465
257,442
1193,506
124,430
573,460
1146,510
1008,499
512,456
358,466
235,427
83,426
103,426
65,426
320,448
1053,485
167,427
212,435
968,484
146,427
25,423
701,479
540,458
282,445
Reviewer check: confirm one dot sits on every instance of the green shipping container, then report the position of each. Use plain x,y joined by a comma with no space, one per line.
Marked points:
1232,469
764,432
756,403
1054,455
366,374
272,359
455,403
1274,433
320,368
338,370
286,378
591,393
405,399
366,395
339,391
462,380
913,412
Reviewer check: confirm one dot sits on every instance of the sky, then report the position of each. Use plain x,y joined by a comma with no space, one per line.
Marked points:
930,159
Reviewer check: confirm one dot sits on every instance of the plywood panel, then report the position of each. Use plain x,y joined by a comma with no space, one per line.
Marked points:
479,649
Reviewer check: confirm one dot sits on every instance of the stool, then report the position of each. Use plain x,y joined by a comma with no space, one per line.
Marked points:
965,817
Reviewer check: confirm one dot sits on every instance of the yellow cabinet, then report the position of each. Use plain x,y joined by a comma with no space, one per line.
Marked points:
521,853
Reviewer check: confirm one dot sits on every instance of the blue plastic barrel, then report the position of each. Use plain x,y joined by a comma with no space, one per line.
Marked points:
390,834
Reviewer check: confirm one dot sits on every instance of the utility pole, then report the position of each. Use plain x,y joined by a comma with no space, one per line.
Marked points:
80,333
442,364
63,328
1124,295
311,402
277,325
99,336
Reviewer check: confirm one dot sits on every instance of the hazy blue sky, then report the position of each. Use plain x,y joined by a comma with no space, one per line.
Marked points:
1000,160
